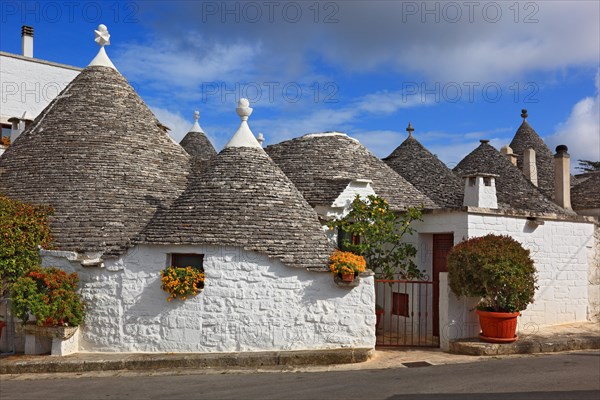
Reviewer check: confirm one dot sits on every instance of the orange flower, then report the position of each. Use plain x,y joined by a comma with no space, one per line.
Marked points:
345,262
181,282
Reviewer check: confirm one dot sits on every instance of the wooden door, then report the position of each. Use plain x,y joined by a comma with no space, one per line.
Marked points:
442,243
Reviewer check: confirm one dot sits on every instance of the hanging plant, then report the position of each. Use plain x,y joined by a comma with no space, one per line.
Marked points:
346,264
181,282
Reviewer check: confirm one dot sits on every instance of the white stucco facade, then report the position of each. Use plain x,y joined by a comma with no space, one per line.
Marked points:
563,250
250,303
29,84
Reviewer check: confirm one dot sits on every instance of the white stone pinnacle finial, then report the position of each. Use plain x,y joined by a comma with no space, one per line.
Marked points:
260,138
243,109
196,127
243,137
103,39
102,36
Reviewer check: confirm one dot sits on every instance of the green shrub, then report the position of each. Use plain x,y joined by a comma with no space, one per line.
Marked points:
381,230
22,229
497,269
49,294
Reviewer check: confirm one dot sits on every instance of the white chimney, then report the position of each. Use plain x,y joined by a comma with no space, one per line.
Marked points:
260,138
562,177
15,129
27,40
508,153
529,166
480,191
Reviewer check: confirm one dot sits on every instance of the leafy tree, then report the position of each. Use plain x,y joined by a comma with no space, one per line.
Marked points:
588,166
381,231
22,229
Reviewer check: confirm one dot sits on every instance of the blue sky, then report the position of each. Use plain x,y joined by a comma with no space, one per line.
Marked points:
459,71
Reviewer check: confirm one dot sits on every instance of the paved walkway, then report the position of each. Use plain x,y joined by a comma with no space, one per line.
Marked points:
566,337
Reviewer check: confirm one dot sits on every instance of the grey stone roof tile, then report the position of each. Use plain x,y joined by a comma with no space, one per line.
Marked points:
586,194
526,137
243,199
427,173
309,161
513,190
97,155
197,145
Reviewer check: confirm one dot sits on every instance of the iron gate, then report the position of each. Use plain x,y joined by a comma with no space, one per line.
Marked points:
404,313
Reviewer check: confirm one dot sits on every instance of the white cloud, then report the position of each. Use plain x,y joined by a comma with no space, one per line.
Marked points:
165,62
581,131
475,47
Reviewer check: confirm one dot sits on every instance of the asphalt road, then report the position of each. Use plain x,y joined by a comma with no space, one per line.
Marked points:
552,376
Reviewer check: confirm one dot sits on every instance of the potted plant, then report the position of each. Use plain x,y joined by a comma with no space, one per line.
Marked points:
499,271
181,282
346,265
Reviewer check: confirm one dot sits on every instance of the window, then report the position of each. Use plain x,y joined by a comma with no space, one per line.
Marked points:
344,237
472,181
6,129
188,260
487,181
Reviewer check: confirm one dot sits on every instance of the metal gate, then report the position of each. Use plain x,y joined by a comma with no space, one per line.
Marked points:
404,313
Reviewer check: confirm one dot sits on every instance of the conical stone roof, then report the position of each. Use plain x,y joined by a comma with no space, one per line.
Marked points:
426,172
97,155
586,194
243,199
513,190
312,160
527,138
196,144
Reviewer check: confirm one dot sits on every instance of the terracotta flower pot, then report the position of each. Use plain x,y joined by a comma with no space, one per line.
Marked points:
347,277
498,327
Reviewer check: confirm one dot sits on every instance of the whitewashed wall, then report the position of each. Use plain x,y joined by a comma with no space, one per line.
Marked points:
30,85
563,252
560,250
594,278
342,204
250,303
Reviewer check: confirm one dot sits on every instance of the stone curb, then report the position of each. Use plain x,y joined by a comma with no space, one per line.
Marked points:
106,362
530,345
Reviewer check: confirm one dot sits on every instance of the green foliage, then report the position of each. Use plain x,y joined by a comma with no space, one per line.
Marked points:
588,165
381,231
497,269
22,229
49,294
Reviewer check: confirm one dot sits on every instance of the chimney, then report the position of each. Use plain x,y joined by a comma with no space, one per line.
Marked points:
480,191
15,129
508,153
529,166
562,177
260,138
27,41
